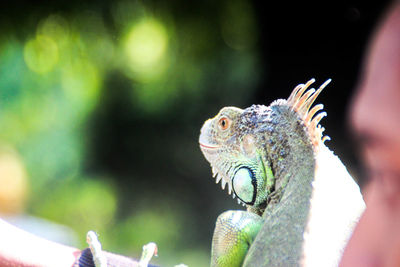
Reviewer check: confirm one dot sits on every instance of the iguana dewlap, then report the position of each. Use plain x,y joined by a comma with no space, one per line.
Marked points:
302,204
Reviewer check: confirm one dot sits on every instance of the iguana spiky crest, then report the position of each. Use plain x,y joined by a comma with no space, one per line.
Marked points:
301,101
235,142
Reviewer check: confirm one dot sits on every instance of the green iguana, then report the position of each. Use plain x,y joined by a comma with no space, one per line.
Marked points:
302,204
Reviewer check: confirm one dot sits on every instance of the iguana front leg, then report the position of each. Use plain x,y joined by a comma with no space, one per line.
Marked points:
234,232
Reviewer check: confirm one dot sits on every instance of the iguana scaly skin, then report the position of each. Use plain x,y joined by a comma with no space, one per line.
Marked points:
301,202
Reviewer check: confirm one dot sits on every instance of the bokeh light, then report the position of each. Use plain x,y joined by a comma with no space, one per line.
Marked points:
41,54
80,81
13,181
146,46
84,203
56,27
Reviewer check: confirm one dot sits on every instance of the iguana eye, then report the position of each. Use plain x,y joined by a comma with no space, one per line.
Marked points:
224,123
245,186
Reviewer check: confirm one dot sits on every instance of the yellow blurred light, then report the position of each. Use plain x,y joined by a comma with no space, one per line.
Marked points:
145,46
13,183
41,54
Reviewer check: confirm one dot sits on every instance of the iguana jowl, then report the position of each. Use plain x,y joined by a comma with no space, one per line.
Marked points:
301,202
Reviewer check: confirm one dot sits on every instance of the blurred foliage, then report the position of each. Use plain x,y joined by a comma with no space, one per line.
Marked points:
103,109
95,200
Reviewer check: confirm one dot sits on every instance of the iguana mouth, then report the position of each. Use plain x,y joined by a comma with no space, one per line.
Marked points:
207,146
205,139
211,151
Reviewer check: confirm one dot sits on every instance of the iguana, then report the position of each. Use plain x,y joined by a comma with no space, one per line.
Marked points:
302,204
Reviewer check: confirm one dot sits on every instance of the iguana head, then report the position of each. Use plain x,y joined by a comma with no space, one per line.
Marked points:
230,144
244,146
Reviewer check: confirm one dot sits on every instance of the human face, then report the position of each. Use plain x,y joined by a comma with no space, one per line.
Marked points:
375,116
376,109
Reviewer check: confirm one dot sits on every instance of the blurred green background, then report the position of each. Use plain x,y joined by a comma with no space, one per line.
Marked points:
101,103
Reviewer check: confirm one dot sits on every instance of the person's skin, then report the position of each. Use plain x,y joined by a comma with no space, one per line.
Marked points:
375,116
21,249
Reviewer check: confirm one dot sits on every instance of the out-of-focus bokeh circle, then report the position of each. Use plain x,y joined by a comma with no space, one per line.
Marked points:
14,184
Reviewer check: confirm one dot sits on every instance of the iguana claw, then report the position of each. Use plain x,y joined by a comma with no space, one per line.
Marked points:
99,258
149,251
